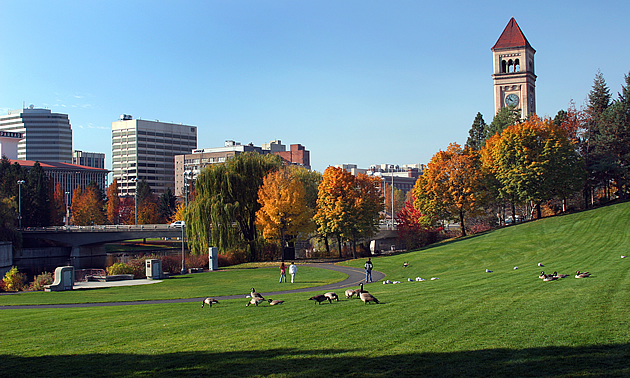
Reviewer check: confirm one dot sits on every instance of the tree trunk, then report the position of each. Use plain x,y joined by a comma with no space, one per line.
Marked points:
327,245
461,222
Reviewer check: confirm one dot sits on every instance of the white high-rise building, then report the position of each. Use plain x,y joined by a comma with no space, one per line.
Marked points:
145,150
47,135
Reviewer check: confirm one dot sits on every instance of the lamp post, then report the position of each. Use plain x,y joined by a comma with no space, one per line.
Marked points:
187,177
20,182
67,207
135,198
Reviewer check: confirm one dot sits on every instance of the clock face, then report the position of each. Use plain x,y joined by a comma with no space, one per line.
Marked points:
511,100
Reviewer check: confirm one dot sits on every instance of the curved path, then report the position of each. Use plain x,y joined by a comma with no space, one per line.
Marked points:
355,277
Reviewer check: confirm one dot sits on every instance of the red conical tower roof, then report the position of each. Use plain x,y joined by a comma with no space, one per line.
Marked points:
511,37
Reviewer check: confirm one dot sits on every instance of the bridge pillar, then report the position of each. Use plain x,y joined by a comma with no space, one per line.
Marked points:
88,256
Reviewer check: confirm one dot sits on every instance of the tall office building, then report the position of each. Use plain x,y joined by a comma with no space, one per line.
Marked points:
145,150
47,135
88,159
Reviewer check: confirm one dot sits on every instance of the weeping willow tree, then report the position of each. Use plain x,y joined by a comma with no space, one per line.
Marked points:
226,203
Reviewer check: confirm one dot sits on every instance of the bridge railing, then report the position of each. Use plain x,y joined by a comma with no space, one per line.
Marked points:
103,228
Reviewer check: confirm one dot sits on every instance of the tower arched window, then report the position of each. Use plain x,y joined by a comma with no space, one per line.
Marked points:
517,66
510,66
503,66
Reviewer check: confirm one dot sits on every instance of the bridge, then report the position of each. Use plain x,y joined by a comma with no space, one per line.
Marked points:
88,242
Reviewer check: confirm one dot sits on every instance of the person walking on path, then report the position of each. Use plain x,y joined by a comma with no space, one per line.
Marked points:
283,273
292,271
368,271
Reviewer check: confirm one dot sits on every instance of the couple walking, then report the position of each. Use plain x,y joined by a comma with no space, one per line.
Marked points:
292,272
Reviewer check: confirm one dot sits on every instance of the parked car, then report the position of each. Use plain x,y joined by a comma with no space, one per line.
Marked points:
178,224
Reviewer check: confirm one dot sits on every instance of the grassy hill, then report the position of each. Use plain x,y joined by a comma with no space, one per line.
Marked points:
466,323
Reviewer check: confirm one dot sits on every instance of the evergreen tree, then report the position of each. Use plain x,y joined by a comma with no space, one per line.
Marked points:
35,202
478,133
506,116
167,205
598,161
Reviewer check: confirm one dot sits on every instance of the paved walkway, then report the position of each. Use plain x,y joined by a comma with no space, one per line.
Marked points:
355,277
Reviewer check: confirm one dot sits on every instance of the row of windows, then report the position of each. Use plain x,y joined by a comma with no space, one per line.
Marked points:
511,66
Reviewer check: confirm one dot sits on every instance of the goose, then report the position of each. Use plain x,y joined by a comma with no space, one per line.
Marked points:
419,279
435,278
254,294
542,275
360,289
623,257
319,298
549,277
332,296
409,279
555,274
209,302
516,267
254,301
540,264
274,302
351,293
405,264
582,275
367,297
488,271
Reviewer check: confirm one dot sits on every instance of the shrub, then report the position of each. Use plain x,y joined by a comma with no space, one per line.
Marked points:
119,268
171,263
197,261
2,286
138,268
42,280
14,280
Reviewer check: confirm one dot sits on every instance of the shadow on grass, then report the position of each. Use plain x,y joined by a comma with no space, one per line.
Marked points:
600,360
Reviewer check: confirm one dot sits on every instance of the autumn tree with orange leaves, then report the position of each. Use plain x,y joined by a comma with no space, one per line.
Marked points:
113,203
348,206
87,207
449,188
283,214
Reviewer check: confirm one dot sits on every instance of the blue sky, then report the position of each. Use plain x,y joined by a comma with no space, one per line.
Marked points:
359,82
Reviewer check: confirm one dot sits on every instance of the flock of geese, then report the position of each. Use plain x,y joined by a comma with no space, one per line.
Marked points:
256,298
554,276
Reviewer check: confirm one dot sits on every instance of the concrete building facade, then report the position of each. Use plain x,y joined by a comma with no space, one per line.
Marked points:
47,135
88,159
70,175
188,166
146,150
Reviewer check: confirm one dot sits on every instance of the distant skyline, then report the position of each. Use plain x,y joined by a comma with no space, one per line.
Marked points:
355,82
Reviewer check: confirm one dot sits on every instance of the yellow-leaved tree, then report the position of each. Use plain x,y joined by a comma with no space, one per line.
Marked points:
283,214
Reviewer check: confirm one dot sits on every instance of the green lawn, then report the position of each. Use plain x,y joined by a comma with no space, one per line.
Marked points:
466,323
222,282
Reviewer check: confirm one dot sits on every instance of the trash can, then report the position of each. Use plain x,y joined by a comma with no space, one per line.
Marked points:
213,258
154,269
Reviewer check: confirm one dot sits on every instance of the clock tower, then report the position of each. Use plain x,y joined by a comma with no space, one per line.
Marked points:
514,78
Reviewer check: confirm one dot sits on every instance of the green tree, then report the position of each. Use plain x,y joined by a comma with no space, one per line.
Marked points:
226,203
35,200
506,116
167,205
534,161
478,133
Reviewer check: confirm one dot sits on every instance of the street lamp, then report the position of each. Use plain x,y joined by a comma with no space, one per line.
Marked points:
187,178
135,198
20,182
67,207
